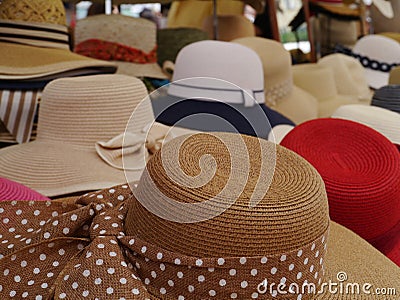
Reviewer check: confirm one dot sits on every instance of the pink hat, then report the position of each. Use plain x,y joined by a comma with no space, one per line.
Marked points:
11,190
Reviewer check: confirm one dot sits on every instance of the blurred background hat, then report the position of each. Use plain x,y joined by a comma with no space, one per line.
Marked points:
387,97
229,27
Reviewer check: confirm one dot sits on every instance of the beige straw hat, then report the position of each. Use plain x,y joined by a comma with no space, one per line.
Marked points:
320,82
229,27
128,42
109,246
79,136
280,92
34,43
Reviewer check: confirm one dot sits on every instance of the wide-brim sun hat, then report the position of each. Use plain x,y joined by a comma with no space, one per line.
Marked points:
134,54
361,171
11,190
34,43
123,250
281,93
382,120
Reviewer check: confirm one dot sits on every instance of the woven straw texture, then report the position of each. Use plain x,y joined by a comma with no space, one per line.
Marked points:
10,190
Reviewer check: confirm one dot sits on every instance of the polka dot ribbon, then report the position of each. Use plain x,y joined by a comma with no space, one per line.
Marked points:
55,250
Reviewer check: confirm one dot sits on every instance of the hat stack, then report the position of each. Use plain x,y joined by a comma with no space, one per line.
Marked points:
361,171
387,97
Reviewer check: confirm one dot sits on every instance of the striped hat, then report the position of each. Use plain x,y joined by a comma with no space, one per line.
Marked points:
387,97
361,171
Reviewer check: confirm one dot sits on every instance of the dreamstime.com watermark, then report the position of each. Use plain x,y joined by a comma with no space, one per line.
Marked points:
341,287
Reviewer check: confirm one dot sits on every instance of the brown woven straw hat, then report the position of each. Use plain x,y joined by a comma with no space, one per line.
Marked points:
108,245
34,43
128,42
78,144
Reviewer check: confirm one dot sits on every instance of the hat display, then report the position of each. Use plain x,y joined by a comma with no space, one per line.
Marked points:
109,246
280,92
34,43
376,62
79,136
349,75
128,42
319,81
387,97
11,190
382,120
171,40
361,171
229,27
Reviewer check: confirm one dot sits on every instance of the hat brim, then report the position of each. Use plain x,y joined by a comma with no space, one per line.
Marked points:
329,105
299,106
140,70
29,62
376,79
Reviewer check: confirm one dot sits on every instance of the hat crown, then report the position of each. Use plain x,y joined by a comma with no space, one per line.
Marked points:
291,214
39,11
84,110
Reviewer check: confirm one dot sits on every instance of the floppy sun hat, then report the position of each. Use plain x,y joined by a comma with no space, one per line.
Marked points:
128,42
108,245
79,136
361,171
11,190
34,43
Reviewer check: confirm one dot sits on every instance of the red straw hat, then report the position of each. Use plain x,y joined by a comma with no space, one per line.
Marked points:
11,190
361,171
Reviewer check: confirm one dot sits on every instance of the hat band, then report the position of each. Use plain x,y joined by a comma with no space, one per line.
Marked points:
367,62
226,95
38,35
277,92
91,251
106,50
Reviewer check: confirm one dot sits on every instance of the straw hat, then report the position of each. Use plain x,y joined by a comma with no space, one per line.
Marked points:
171,40
319,81
229,27
377,63
79,136
361,171
11,190
129,42
280,92
394,76
387,97
382,120
349,75
34,43
125,251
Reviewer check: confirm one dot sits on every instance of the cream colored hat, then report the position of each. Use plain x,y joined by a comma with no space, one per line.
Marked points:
320,82
128,42
229,27
349,76
79,136
278,132
280,92
382,120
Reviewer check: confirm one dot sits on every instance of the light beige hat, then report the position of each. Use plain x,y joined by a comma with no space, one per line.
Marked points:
229,27
129,42
320,82
382,120
278,132
280,92
349,76
79,137
34,43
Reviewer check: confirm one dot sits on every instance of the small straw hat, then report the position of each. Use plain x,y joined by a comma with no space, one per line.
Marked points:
361,171
11,190
128,42
79,142
229,27
110,246
387,97
34,43
382,120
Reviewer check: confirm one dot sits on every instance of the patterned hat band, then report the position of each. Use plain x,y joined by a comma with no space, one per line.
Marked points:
35,34
82,251
278,91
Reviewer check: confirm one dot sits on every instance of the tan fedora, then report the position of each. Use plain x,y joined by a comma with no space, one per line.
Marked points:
34,43
109,245
230,27
280,92
79,137
319,81
129,42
